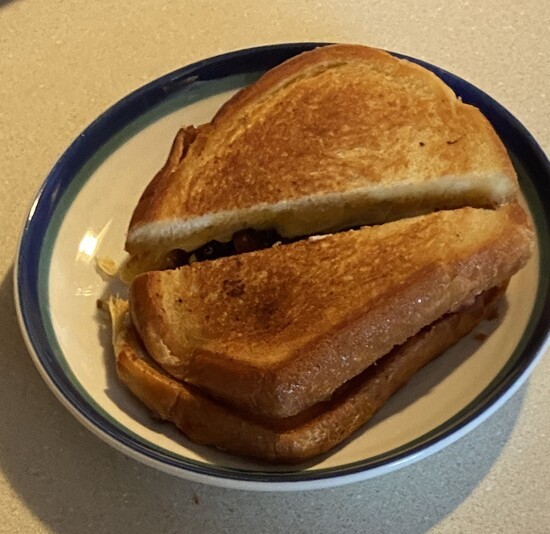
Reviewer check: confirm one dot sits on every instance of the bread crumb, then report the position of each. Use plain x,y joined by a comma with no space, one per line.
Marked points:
107,265
317,237
196,499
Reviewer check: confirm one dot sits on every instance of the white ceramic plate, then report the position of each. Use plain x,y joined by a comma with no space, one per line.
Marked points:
82,213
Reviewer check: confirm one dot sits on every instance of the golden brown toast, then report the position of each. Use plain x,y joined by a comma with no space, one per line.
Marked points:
294,439
334,138
278,330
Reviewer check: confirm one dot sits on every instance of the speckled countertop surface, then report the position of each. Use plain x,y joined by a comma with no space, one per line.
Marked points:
64,62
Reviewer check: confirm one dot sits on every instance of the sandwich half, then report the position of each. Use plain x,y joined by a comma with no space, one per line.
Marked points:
276,331
290,440
331,139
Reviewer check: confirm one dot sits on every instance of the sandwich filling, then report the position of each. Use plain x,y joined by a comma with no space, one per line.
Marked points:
244,241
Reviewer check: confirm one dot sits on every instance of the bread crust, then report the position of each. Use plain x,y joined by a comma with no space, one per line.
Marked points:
262,330
309,434
342,125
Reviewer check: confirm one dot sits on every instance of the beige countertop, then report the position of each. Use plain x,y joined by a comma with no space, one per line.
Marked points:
64,62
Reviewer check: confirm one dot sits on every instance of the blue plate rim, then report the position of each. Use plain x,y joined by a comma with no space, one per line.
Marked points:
137,103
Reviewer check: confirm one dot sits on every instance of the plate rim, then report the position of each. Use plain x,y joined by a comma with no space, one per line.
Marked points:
144,99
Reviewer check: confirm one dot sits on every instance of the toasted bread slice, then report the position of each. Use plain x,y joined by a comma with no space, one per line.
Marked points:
278,330
294,439
334,138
